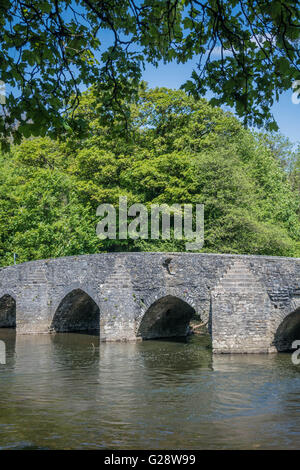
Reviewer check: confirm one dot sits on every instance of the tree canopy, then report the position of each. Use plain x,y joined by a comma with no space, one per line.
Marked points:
246,52
181,150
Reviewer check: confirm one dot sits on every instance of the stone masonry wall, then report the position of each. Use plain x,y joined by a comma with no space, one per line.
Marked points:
243,299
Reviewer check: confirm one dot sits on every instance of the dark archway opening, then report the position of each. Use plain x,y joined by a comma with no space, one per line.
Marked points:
7,312
168,317
76,312
288,332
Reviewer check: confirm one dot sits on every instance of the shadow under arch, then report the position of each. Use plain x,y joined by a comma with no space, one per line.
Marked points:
288,331
7,311
167,317
76,312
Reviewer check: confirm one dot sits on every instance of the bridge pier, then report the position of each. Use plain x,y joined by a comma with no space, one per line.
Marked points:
241,309
32,310
118,306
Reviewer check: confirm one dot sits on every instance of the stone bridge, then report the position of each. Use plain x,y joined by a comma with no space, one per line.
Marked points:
249,303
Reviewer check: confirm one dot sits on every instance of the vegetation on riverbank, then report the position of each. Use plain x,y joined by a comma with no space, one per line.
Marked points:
176,150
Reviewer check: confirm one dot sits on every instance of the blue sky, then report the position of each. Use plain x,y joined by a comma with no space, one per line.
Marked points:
173,75
287,114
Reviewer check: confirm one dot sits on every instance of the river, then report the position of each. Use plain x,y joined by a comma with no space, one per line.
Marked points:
67,391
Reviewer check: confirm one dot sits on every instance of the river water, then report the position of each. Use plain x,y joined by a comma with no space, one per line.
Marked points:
67,391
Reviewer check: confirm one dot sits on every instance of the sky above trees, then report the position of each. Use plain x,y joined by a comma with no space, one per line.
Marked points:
286,113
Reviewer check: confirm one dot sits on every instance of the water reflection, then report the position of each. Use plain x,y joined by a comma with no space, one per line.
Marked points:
69,391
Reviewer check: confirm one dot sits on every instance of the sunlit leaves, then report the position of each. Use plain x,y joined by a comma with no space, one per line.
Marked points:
179,151
245,52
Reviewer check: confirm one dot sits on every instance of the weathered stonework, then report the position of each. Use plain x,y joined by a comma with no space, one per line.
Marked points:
250,303
241,307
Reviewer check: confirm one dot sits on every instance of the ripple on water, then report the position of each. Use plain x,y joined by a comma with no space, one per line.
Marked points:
68,391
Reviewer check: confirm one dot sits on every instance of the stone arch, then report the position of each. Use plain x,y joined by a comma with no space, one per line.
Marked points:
7,311
168,316
69,287
288,331
158,294
77,311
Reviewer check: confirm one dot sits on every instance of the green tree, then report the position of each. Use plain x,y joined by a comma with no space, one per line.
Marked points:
180,151
247,54
295,171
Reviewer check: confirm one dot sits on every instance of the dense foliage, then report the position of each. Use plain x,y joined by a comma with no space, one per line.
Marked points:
181,151
246,52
